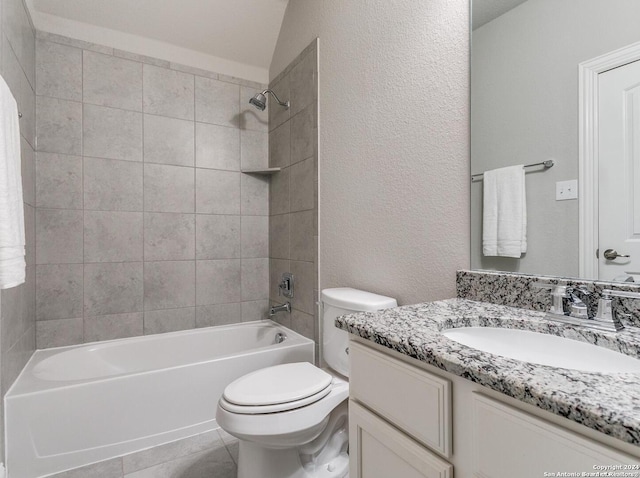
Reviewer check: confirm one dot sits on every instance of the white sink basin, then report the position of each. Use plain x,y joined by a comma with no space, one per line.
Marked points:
543,349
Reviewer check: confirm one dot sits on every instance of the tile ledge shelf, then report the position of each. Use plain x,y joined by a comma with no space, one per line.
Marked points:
264,171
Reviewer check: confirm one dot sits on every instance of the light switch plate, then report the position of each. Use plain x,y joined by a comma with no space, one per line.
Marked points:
567,190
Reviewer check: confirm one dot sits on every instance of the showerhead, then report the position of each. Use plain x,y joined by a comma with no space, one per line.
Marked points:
259,100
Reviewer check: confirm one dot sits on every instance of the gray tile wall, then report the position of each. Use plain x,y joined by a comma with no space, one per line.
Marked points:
144,222
17,305
293,206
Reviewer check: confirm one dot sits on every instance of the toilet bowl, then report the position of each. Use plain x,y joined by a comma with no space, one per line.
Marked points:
292,419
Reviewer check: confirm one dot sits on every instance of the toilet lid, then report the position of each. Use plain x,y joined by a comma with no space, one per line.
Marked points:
278,384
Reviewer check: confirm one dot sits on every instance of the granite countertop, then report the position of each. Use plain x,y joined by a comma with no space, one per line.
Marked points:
606,402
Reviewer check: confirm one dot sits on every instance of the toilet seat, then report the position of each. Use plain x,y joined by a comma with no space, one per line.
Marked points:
278,407
278,385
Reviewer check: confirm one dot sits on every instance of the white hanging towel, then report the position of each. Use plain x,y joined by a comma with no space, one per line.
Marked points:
12,242
504,217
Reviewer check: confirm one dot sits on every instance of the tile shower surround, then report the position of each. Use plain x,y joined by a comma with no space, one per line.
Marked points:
144,223
293,221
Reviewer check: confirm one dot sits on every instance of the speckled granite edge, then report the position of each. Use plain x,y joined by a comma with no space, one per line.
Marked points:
605,402
517,290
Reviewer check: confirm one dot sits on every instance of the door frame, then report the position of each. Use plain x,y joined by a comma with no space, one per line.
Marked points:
588,164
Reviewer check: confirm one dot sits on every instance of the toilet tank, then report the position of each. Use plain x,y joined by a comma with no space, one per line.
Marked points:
341,301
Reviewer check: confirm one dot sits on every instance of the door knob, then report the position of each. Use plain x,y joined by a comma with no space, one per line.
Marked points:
611,254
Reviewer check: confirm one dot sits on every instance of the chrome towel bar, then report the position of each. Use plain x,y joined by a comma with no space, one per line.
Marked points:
547,164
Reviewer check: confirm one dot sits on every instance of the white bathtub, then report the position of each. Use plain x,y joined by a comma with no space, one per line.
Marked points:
72,406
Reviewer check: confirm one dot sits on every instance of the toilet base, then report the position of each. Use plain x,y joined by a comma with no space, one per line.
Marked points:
259,462
324,457
255,461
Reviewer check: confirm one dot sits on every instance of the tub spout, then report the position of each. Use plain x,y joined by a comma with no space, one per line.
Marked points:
274,309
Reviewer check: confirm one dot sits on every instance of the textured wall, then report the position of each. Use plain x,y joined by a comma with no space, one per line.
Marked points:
144,222
525,110
17,305
293,205
393,147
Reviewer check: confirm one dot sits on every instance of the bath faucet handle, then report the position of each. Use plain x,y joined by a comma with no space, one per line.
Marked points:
285,287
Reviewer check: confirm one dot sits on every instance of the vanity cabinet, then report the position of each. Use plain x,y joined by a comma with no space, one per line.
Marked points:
399,418
416,402
379,450
409,419
509,442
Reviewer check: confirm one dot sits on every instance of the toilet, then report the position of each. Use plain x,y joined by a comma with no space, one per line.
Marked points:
292,419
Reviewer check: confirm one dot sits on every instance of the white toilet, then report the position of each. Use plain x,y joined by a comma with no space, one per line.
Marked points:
292,419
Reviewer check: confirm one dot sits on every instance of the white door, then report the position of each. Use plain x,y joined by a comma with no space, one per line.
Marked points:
619,171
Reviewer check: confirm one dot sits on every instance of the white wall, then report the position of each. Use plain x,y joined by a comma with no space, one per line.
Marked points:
393,151
525,110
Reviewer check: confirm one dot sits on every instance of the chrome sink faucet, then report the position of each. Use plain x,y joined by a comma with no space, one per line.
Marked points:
577,312
577,307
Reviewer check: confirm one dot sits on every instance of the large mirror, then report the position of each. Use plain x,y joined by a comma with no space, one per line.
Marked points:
559,80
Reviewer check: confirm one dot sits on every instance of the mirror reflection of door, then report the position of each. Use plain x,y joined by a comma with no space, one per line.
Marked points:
528,106
619,172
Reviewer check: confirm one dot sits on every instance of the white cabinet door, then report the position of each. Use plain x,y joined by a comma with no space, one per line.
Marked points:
509,443
378,450
416,401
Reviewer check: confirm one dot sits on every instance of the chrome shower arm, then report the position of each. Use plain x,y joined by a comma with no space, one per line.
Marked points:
281,103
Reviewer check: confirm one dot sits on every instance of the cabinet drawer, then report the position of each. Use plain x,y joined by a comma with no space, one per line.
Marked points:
509,442
378,450
414,400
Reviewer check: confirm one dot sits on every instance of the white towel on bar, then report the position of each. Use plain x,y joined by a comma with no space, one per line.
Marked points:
504,226
12,242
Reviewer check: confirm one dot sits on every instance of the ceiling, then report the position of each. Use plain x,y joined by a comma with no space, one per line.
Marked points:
483,11
242,31
235,37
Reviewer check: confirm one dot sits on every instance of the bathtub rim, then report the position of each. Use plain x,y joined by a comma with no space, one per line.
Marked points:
18,388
